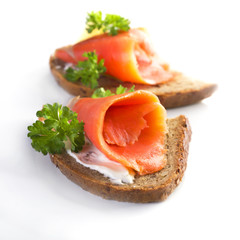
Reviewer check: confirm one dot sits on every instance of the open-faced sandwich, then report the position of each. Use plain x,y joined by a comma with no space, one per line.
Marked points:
117,146
113,54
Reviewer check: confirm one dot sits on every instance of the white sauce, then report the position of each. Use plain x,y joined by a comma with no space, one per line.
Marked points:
92,158
68,65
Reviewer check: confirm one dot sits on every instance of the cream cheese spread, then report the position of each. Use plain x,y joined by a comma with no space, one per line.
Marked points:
92,158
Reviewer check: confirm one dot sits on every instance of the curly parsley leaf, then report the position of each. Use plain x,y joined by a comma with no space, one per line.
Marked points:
120,89
112,24
94,21
59,126
101,92
72,75
132,89
88,71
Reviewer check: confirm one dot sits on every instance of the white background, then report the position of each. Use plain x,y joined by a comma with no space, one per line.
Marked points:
199,38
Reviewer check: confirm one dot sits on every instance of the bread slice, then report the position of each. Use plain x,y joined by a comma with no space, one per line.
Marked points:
148,188
178,92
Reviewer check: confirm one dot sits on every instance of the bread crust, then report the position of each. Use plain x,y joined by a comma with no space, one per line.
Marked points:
179,91
148,188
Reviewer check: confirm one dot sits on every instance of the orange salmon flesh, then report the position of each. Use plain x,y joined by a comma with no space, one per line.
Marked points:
127,128
127,56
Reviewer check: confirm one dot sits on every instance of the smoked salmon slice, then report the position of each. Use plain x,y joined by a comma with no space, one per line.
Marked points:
128,128
127,56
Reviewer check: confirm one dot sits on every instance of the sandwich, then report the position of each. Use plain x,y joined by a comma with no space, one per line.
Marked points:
120,146
125,56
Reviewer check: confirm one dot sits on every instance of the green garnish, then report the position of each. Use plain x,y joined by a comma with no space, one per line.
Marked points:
88,71
120,89
59,126
94,21
111,24
101,92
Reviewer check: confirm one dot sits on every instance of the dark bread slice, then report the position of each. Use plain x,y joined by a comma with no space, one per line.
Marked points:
149,188
178,92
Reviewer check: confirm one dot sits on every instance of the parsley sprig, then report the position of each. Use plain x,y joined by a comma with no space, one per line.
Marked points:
59,126
88,71
101,92
111,24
